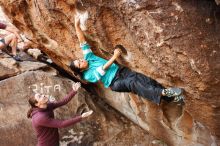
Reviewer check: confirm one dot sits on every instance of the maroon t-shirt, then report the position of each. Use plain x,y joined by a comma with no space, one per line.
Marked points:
2,26
46,127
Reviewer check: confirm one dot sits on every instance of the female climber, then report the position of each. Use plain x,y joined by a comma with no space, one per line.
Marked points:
121,79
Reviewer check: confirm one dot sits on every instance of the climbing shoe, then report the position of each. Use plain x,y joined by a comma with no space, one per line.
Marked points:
172,92
179,99
17,58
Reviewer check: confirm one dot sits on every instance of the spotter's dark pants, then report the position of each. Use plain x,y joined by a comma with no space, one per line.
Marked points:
127,80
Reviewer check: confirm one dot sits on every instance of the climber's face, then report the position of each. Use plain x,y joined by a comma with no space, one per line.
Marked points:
82,64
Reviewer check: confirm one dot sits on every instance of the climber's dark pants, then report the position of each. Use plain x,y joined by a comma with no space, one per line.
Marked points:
127,80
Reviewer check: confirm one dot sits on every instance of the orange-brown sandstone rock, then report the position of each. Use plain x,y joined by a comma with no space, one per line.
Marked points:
175,42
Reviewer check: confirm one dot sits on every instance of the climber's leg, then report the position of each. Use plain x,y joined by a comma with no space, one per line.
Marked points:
167,94
130,81
12,40
13,45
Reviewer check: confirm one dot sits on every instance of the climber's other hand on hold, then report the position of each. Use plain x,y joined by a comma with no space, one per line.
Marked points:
122,48
117,53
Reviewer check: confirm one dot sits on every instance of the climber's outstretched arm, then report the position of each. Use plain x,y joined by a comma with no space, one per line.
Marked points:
117,53
79,32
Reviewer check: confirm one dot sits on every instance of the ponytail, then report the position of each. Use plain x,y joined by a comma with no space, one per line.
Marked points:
29,113
32,101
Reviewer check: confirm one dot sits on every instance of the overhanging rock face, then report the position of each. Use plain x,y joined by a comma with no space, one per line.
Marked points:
175,42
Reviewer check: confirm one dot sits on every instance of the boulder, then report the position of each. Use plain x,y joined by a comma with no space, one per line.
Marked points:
104,127
9,67
175,42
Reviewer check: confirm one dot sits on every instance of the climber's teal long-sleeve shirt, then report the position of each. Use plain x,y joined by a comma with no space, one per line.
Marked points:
95,71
